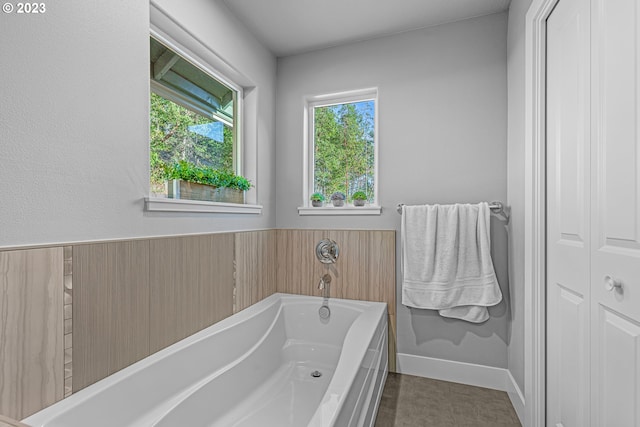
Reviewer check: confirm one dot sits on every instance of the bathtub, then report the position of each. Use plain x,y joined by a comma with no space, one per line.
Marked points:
275,363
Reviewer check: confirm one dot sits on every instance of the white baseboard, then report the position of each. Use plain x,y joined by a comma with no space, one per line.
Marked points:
516,396
463,373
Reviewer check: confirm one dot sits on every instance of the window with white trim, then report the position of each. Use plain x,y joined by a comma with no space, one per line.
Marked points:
194,117
342,146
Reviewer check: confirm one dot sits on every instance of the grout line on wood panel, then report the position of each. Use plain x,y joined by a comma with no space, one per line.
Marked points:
67,290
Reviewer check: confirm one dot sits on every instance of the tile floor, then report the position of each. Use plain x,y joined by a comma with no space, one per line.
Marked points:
409,401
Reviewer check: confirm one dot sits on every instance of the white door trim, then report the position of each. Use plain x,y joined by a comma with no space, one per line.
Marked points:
534,221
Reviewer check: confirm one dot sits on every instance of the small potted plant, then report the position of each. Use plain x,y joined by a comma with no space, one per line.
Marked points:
359,198
317,199
338,199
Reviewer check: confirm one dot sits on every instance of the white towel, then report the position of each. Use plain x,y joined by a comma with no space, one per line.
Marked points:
446,260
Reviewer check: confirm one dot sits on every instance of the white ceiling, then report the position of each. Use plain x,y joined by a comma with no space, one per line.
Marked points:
289,27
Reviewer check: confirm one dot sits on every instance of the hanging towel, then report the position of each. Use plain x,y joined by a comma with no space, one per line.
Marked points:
446,260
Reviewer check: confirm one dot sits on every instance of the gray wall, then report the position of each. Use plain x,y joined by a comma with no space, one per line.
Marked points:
515,189
74,120
74,136
442,124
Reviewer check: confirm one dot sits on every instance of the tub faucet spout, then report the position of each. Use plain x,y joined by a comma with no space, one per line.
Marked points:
324,310
325,280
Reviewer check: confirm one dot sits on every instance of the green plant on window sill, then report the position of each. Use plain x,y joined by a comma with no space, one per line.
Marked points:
317,199
187,171
359,198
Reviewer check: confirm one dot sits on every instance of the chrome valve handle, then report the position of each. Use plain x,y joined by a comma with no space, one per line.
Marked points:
327,251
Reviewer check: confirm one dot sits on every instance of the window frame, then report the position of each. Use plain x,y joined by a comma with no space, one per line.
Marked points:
164,28
324,100
175,97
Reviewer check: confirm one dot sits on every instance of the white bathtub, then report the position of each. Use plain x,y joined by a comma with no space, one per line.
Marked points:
251,369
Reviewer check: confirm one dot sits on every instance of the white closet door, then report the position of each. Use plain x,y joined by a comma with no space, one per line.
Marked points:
615,311
568,214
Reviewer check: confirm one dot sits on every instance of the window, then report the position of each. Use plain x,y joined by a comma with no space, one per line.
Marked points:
193,117
342,146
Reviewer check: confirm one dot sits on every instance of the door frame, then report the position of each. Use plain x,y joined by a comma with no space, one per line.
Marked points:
534,211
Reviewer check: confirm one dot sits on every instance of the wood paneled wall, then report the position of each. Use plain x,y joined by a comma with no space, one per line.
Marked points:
31,330
8,422
365,269
111,304
255,267
191,285
110,310
134,298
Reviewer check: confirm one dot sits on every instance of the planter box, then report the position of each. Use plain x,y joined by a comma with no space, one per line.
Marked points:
178,189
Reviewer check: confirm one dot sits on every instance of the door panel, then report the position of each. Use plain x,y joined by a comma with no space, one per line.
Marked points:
615,252
568,214
617,385
616,168
568,339
615,64
593,214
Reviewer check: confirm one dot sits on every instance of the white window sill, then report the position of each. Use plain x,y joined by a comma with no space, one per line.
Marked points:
345,210
159,204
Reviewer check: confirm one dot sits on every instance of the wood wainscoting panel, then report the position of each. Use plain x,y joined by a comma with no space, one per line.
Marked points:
91,314
216,279
8,422
255,267
31,330
129,305
191,280
365,269
298,269
381,265
110,308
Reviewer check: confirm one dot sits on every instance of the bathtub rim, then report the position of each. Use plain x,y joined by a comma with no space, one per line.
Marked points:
349,364
50,413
